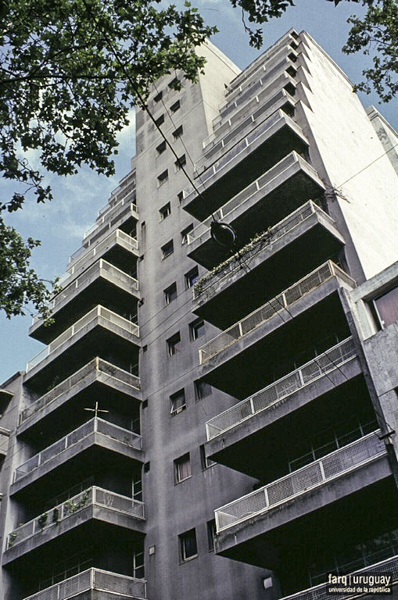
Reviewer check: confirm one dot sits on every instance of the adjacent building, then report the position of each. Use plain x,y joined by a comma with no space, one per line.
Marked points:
214,414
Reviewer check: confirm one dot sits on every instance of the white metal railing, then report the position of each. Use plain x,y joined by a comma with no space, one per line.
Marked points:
99,312
122,586
319,592
78,381
271,308
90,497
95,425
259,132
116,237
111,213
317,473
281,389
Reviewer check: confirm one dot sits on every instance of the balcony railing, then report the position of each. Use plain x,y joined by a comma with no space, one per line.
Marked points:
110,584
109,213
273,307
94,367
89,254
4,440
90,497
99,312
100,269
307,478
248,142
95,425
319,592
281,389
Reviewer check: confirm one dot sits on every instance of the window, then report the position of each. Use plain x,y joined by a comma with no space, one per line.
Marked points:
185,233
170,293
191,277
196,329
387,307
165,211
159,121
158,97
161,148
175,84
174,107
138,565
182,468
163,177
180,162
180,197
202,389
205,462
167,249
177,402
173,344
188,545
178,132
211,534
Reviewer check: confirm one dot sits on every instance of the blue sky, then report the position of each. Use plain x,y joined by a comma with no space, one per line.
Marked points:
60,224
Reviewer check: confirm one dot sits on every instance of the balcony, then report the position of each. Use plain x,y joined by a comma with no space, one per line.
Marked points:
99,584
93,503
109,438
4,439
319,592
247,160
282,329
272,261
98,376
310,505
101,280
98,331
112,218
280,391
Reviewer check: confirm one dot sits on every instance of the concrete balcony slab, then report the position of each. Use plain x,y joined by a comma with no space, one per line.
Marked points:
92,504
247,160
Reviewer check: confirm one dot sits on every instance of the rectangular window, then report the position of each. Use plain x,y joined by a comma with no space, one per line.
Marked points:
202,389
177,402
161,148
178,132
180,197
211,534
185,233
205,462
138,565
387,307
159,121
173,344
197,329
163,177
175,84
158,97
170,293
191,277
188,545
174,107
165,211
180,162
182,468
167,249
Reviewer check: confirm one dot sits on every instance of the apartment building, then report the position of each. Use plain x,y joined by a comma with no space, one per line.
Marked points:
214,413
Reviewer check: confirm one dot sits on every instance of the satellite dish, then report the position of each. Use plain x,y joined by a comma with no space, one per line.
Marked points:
223,234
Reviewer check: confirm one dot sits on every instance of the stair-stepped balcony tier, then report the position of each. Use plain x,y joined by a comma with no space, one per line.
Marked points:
93,503
247,160
272,261
265,80
388,567
277,333
262,423
219,141
102,281
115,389
124,212
283,86
4,439
341,488
95,442
100,332
94,584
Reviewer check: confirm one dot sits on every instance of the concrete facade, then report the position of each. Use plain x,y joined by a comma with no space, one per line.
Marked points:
206,415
